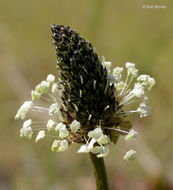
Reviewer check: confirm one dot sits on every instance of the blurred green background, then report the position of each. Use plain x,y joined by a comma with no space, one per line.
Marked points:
121,31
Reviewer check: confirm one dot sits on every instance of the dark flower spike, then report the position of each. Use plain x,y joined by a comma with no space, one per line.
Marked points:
88,101
87,94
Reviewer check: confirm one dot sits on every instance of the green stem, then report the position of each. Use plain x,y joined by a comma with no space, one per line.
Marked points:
99,172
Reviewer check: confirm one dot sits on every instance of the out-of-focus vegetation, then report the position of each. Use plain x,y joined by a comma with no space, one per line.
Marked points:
122,31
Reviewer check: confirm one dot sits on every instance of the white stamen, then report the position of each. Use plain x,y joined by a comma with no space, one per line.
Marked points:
52,136
101,151
104,151
69,85
130,155
147,81
125,113
131,135
27,123
117,71
58,126
63,132
119,86
106,64
118,130
40,135
37,110
94,84
38,129
47,99
144,110
106,88
50,79
125,84
132,101
131,70
26,132
55,89
91,143
74,126
52,96
113,78
103,140
64,107
81,79
40,108
96,133
83,149
23,110
39,122
75,106
85,70
59,145
89,118
138,90
80,93
50,124
107,107
62,86
44,87
54,109
35,95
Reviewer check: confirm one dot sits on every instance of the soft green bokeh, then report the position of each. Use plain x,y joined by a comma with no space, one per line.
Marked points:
121,31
